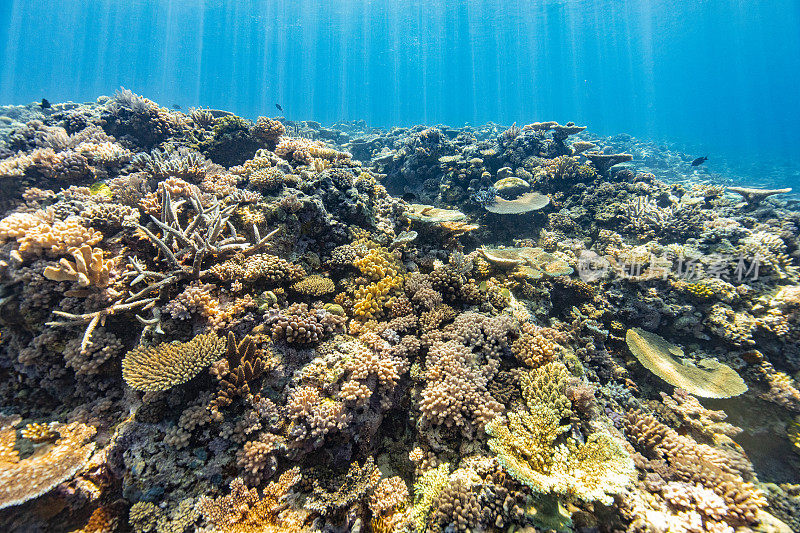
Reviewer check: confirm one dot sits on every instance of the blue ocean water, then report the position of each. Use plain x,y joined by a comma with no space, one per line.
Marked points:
716,76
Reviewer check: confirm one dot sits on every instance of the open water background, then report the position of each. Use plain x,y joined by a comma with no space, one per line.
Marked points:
716,76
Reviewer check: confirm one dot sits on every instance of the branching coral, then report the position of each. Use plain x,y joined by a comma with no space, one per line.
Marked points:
268,130
301,324
530,443
686,460
36,233
315,285
455,393
243,365
246,511
88,268
268,268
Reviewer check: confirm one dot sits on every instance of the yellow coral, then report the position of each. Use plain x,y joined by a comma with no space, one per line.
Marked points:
525,444
250,216
426,489
315,285
165,365
244,511
89,268
37,432
38,232
376,264
714,380
371,299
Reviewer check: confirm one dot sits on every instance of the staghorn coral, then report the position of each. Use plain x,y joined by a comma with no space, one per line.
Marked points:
399,369
166,365
389,496
456,508
314,416
305,151
767,252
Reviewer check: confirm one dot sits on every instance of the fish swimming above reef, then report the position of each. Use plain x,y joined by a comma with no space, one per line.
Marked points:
176,106
279,107
45,103
699,161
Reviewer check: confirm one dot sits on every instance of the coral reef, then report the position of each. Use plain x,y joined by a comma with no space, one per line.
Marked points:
210,324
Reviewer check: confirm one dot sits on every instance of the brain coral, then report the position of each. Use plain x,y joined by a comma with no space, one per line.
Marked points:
161,367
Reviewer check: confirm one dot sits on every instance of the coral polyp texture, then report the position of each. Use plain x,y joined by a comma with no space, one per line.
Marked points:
209,323
161,367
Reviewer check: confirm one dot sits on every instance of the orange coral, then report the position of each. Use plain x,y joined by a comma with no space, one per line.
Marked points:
89,268
25,479
244,511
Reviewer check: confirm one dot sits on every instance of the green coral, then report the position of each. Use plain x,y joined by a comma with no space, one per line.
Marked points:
546,386
533,446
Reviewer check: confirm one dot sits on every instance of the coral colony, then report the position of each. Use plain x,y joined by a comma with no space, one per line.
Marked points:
209,324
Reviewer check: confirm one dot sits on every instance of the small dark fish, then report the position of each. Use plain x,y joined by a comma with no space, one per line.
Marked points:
279,107
409,197
45,103
176,106
699,161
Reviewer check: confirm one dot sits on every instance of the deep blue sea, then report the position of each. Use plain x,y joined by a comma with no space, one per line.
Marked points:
715,76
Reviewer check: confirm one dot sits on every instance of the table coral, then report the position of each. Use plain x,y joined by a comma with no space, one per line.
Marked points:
161,367
660,357
25,479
